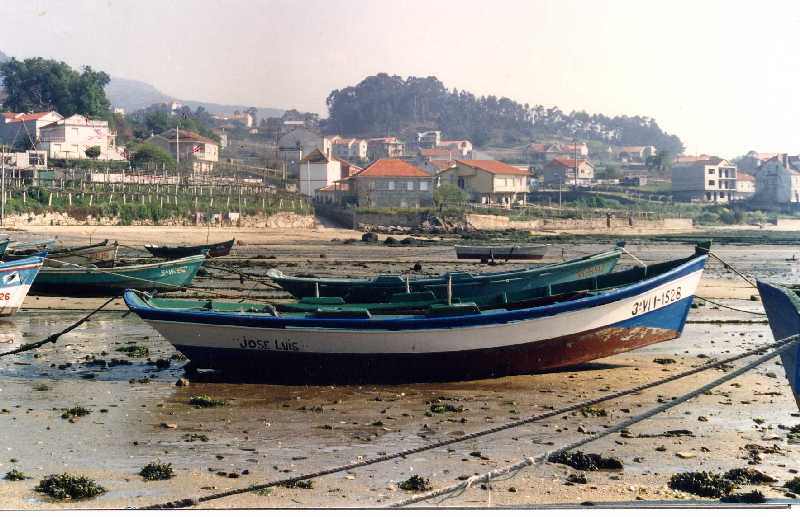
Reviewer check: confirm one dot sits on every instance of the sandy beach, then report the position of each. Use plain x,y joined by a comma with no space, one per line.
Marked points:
267,432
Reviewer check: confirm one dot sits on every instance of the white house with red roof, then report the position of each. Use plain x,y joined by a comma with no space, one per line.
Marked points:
24,128
202,152
563,171
69,138
394,183
710,181
488,181
385,147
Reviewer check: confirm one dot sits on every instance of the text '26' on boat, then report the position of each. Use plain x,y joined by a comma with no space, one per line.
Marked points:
461,284
614,313
16,277
782,304
74,280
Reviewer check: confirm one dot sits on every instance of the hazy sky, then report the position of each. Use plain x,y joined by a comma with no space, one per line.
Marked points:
721,75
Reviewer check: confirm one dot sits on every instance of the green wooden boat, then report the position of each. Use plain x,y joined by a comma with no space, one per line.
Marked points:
461,285
87,281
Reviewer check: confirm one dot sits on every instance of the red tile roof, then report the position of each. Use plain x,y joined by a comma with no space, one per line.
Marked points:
392,168
493,167
186,136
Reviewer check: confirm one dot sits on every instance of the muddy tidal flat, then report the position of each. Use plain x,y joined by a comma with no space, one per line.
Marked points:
124,375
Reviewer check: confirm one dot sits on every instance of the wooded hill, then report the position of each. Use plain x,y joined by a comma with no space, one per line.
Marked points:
384,104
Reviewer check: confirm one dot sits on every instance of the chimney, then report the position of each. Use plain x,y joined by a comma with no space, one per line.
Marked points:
785,160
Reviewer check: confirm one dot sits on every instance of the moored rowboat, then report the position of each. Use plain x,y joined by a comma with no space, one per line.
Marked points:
503,252
449,342
100,254
16,277
782,305
86,281
462,285
218,249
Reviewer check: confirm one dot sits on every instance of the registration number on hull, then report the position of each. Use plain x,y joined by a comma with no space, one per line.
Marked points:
655,301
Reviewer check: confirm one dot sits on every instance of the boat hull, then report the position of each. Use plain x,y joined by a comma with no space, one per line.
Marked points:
495,344
465,287
16,278
782,306
78,281
100,255
487,253
219,249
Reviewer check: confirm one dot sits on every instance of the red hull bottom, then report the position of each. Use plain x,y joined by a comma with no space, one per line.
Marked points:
537,357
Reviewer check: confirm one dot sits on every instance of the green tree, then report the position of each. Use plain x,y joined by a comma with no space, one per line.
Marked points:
93,152
146,154
449,193
38,84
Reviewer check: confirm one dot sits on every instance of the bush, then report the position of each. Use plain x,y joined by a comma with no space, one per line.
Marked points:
146,154
157,471
205,401
67,486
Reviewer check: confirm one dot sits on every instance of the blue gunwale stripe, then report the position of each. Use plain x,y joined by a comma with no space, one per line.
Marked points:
412,322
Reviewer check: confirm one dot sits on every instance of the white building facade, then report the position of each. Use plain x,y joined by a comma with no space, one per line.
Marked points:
69,138
318,170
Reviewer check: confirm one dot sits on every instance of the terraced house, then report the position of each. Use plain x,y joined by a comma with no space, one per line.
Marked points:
391,183
488,181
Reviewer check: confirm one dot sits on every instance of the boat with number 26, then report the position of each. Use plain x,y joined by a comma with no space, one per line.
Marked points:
640,306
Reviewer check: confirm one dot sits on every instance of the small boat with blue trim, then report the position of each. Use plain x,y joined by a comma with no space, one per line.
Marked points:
74,280
16,278
633,308
782,305
458,284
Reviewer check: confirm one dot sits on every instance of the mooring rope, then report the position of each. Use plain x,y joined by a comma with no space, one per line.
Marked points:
729,307
188,502
527,461
729,266
52,338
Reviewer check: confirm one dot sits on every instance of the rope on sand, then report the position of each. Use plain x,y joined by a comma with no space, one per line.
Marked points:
785,344
192,501
729,307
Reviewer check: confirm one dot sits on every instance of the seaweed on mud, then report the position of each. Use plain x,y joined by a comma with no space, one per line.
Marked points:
41,387
704,484
442,407
68,486
794,434
748,476
415,483
582,461
754,497
15,475
304,484
134,351
579,479
793,485
75,412
593,411
157,471
205,401
195,437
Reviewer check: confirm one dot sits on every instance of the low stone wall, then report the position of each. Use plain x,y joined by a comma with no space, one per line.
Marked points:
279,220
501,222
355,220
787,224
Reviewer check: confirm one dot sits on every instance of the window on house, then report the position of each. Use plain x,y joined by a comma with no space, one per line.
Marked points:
711,171
372,185
711,183
410,185
721,195
423,185
390,186
462,183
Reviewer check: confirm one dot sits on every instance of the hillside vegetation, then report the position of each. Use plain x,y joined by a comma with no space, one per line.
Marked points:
383,104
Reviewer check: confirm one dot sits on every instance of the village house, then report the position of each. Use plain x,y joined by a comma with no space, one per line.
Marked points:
392,183
24,160
745,185
462,149
562,171
69,138
709,181
350,148
750,162
386,147
338,192
318,170
189,147
24,128
546,152
778,181
429,139
636,153
297,143
487,181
